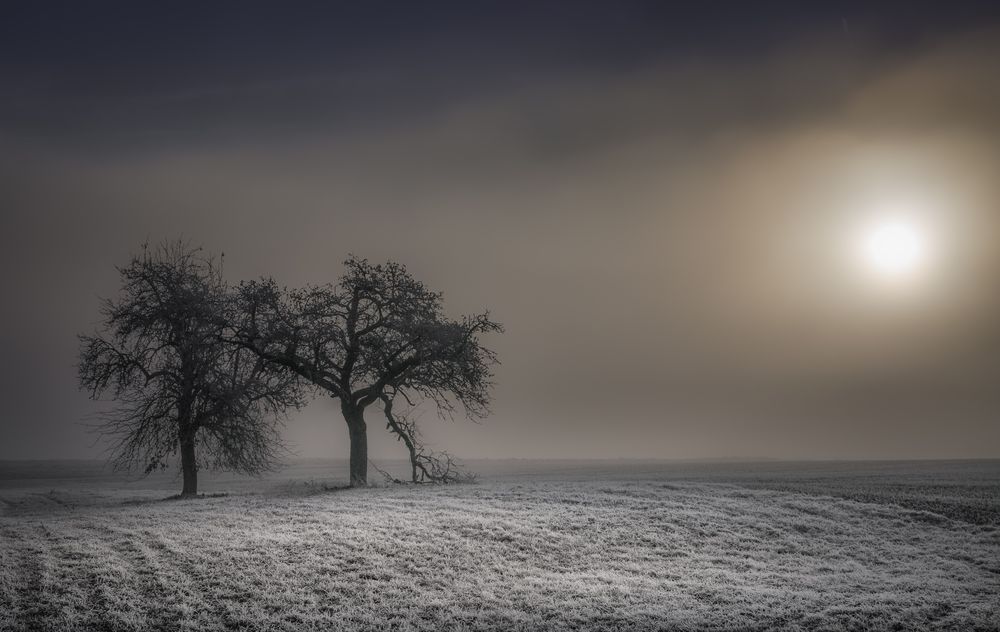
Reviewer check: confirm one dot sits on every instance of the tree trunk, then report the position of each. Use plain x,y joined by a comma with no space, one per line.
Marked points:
355,418
189,466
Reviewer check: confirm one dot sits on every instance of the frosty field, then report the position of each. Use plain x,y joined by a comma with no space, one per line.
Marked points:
533,546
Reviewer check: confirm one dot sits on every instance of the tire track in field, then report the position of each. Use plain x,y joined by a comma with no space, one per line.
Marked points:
16,585
154,593
83,562
198,589
32,598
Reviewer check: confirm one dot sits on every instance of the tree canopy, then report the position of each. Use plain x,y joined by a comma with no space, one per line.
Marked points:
377,335
160,353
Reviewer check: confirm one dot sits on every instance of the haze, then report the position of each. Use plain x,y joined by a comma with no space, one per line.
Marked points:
661,205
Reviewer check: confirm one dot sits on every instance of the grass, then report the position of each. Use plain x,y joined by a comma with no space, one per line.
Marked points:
651,554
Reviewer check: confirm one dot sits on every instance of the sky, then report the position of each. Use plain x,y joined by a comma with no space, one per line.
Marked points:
670,207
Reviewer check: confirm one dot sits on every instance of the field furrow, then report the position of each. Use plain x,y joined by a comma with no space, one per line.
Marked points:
559,555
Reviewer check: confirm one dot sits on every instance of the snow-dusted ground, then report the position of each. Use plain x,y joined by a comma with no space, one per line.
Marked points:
535,545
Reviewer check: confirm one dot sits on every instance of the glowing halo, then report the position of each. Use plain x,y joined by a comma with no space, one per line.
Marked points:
893,247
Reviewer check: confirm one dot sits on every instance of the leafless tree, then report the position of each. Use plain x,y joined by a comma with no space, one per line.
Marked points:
179,387
377,335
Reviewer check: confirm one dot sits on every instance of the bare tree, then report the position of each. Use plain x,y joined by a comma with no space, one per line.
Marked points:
179,387
376,335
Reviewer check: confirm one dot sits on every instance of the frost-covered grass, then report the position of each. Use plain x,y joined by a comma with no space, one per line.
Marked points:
649,553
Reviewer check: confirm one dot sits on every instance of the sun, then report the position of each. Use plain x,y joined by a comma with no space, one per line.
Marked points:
894,248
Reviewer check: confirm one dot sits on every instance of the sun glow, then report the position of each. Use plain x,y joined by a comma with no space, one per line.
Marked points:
894,248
